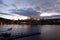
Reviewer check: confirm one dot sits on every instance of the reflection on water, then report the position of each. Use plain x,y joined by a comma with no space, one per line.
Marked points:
48,32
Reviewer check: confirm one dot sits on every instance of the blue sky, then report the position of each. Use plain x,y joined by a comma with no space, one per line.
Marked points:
30,8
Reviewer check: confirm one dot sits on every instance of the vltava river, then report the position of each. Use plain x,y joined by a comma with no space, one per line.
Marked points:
47,32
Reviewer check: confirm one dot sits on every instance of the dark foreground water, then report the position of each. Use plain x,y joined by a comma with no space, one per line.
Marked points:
47,32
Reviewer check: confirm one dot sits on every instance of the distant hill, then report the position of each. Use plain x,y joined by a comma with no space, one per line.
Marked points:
33,22
3,19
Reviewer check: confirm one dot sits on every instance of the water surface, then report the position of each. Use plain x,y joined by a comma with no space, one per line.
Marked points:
48,32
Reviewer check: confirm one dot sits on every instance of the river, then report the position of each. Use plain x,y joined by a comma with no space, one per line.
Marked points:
47,32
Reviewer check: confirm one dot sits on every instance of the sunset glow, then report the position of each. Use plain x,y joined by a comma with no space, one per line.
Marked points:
14,17
48,14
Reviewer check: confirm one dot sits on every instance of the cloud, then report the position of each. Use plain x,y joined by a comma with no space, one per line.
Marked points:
5,14
2,4
41,5
52,17
28,12
50,6
31,8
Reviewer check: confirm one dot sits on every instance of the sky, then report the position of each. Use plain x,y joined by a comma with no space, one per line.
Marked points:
23,9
